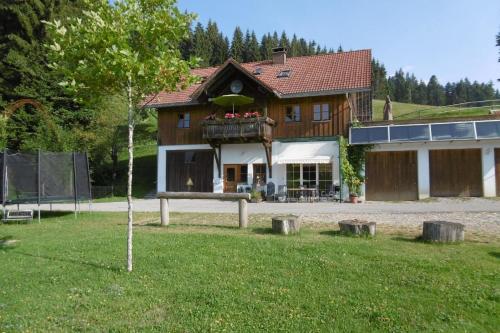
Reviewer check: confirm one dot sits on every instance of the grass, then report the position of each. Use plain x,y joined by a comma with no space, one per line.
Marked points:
406,111
202,273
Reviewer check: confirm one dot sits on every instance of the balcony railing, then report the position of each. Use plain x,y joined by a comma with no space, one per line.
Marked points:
247,129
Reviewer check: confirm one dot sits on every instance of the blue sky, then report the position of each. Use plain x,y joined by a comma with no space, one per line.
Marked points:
452,39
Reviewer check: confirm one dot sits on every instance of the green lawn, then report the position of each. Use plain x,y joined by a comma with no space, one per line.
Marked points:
204,274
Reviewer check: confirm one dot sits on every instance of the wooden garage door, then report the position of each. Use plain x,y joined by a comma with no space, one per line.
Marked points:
391,176
497,170
456,173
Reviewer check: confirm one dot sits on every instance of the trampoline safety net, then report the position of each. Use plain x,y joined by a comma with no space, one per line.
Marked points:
43,177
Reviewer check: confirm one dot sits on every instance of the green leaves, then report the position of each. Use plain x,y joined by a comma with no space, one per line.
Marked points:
100,49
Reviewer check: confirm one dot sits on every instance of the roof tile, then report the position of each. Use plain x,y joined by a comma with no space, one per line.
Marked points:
309,74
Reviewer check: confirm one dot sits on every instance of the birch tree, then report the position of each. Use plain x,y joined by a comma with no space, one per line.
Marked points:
127,47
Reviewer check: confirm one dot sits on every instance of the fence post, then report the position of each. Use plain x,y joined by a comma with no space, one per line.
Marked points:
243,210
39,183
4,182
74,183
164,213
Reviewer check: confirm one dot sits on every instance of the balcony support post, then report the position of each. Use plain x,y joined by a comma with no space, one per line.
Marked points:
269,156
218,157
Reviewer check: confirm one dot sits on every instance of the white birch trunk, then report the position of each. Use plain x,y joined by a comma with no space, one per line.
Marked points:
130,170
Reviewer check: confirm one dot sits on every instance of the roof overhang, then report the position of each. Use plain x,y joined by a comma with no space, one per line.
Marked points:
324,93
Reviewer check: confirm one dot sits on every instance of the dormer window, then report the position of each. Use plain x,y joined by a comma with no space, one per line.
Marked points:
257,71
183,120
284,73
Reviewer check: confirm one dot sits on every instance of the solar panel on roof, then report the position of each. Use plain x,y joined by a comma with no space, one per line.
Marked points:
410,133
452,131
488,129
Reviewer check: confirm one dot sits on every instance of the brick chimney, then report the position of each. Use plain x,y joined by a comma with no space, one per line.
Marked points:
279,55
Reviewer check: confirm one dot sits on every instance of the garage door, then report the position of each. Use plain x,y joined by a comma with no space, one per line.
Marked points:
497,170
456,173
391,176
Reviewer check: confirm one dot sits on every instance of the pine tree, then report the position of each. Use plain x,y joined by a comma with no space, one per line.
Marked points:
311,47
304,48
435,92
252,49
237,45
186,45
294,50
266,47
246,46
202,47
219,46
275,41
284,42
340,49
379,80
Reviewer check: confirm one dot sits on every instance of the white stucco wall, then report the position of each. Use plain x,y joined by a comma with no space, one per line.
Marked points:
252,153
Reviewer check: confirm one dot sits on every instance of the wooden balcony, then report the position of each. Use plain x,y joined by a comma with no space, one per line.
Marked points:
238,130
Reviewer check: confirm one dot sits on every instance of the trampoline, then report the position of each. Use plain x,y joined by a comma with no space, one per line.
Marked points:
43,178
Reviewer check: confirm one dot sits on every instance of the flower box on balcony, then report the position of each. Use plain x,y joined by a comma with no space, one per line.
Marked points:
238,129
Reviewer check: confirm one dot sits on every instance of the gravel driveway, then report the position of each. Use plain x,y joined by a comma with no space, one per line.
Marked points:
479,215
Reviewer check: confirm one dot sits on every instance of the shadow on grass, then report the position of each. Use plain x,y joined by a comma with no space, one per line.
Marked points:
420,240
72,261
48,213
331,233
409,239
7,243
494,254
263,231
177,225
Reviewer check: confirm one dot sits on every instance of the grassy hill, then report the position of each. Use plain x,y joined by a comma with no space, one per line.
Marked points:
404,111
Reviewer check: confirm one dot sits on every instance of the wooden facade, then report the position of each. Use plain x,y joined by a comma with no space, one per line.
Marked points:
391,175
456,172
193,166
338,124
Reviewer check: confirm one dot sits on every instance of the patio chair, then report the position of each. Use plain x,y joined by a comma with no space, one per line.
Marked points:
282,195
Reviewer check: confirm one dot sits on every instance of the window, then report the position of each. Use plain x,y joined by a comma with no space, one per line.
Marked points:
231,174
293,175
243,173
325,178
292,113
259,174
285,73
321,112
183,120
309,175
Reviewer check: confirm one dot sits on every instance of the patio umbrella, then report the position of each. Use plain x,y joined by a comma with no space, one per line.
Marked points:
232,100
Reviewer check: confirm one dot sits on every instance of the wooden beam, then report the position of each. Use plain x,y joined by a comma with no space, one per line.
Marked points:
203,195
269,157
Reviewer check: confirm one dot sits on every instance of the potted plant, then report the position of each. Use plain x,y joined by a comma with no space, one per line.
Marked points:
354,188
255,196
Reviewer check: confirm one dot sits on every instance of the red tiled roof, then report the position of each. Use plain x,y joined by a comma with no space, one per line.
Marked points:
309,75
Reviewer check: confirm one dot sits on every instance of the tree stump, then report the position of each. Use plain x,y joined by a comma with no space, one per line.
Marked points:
443,231
285,225
357,227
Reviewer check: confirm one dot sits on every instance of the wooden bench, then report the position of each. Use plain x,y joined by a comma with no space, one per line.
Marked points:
242,199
